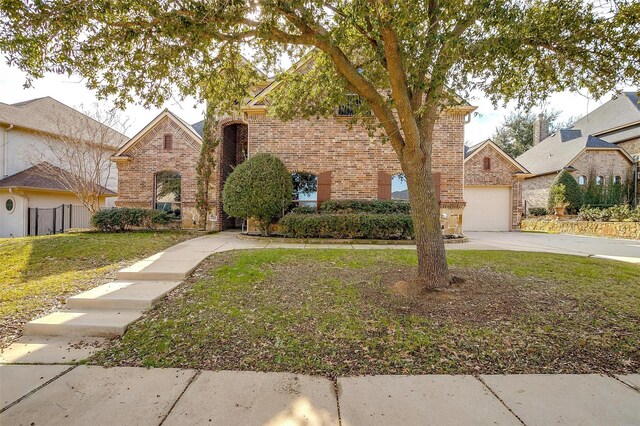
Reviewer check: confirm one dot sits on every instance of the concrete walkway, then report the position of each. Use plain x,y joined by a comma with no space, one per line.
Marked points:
76,332
85,395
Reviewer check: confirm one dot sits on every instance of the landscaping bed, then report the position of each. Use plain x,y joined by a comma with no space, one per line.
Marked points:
629,230
38,273
345,312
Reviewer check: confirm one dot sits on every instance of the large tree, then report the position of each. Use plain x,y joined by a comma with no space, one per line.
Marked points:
515,134
403,58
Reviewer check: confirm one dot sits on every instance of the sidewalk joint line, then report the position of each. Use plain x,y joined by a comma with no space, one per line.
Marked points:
615,377
336,390
195,376
57,376
499,399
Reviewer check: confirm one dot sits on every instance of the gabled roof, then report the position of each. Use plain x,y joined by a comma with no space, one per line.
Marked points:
199,128
560,149
470,151
164,114
42,176
614,121
47,115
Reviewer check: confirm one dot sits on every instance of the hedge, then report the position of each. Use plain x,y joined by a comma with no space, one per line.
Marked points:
348,225
126,218
366,206
538,211
620,213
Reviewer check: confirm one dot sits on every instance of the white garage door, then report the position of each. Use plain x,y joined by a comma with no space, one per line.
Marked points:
488,208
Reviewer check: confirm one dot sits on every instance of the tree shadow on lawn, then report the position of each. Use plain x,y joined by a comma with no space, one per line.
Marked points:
335,313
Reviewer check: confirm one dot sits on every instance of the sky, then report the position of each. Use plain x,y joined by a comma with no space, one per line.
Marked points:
72,92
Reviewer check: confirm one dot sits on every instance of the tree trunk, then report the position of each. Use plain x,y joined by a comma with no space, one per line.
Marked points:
433,272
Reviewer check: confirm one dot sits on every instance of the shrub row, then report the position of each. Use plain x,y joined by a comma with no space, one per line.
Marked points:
366,206
365,226
126,218
615,214
538,211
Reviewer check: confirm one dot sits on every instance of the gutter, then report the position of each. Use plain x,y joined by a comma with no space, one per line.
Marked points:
5,151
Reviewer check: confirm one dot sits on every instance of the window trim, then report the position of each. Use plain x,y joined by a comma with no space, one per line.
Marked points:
13,205
584,178
600,180
617,180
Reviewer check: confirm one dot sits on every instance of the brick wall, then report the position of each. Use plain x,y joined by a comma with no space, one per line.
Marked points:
321,145
631,146
501,173
147,157
598,162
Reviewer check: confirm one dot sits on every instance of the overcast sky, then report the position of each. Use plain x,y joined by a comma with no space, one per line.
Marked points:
72,92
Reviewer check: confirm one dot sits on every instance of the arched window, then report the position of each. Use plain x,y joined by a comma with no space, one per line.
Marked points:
399,190
305,189
617,180
599,180
582,180
168,190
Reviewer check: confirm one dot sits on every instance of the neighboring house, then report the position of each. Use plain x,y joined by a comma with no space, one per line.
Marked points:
345,163
601,145
29,174
492,189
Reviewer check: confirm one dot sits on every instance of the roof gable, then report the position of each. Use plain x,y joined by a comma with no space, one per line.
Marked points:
614,121
149,127
472,151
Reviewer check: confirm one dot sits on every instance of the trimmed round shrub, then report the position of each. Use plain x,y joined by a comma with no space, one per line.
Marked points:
572,192
259,188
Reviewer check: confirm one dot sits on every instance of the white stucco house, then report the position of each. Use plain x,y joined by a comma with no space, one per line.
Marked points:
30,167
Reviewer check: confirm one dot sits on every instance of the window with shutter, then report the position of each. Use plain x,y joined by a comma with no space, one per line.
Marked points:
384,186
168,142
324,187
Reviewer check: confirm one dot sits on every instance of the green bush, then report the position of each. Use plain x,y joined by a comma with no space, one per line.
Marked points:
538,211
617,213
126,218
571,190
348,225
304,210
366,206
259,188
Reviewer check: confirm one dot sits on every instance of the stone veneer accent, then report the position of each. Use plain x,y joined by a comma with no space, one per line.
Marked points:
630,230
631,146
502,173
606,163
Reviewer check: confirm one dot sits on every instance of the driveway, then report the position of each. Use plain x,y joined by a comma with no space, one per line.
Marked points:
604,248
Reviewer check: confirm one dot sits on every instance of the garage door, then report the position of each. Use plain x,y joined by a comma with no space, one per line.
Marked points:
488,208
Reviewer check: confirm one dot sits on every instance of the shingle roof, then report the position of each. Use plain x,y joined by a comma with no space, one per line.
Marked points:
199,128
50,116
41,176
555,152
618,113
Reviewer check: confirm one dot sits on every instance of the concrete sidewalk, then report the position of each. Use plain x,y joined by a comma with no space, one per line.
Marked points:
85,395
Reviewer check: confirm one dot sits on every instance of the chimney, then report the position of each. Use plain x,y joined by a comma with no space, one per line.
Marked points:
540,129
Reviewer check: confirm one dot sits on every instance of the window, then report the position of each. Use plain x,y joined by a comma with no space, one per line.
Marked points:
349,109
168,190
168,142
10,205
582,180
305,189
399,190
599,180
486,163
617,180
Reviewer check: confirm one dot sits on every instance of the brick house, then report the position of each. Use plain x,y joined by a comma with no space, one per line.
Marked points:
344,162
585,156
492,188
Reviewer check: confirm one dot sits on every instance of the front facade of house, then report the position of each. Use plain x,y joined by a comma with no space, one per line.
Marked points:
346,162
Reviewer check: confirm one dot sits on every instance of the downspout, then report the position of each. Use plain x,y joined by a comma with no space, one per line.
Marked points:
5,151
636,159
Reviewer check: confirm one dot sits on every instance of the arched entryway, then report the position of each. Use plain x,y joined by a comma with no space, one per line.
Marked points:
232,153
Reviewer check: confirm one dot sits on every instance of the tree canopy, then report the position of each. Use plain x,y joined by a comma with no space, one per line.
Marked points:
405,59
515,133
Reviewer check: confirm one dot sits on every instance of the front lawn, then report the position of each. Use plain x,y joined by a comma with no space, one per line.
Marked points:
345,312
37,273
